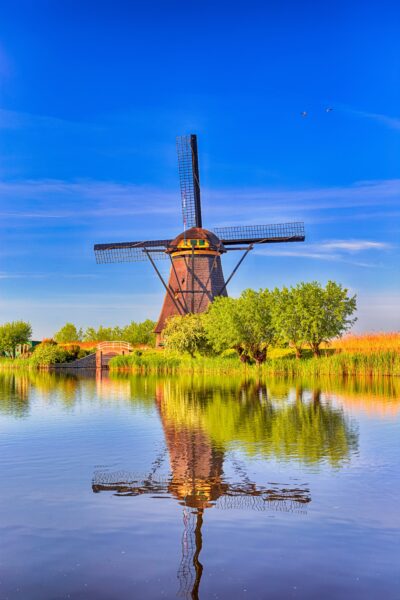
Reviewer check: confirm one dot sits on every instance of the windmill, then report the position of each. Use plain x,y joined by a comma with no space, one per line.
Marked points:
196,275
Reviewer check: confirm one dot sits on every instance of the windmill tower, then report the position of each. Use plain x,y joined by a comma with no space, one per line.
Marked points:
196,275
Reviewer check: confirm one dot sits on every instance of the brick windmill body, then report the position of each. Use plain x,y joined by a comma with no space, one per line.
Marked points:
196,275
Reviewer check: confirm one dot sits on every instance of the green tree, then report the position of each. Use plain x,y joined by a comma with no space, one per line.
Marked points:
255,323
287,314
140,333
68,333
186,334
221,326
12,334
103,334
326,312
244,324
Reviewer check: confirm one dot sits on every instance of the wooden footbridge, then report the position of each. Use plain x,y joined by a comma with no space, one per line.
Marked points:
106,350
100,358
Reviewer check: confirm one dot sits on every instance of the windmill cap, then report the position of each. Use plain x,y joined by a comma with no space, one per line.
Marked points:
198,233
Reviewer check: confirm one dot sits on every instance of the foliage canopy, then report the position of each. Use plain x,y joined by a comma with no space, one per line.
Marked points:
186,334
12,334
307,314
68,333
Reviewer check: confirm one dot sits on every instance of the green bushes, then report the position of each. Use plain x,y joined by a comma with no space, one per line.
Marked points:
13,334
47,354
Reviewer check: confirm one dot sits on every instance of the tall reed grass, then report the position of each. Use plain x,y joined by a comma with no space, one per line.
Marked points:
368,342
7,363
342,364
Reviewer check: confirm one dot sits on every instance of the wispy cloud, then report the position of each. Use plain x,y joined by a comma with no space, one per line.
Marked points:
332,251
98,301
86,199
10,119
354,245
307,200
387,120
12,275
34,199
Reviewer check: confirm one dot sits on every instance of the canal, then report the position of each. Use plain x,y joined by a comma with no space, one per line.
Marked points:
198,487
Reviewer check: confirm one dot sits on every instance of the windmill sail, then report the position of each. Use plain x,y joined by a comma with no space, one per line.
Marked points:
186,146
130,251
261,234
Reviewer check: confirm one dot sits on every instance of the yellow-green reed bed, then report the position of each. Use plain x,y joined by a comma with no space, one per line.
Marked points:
14,363
382,364
165,362
376,364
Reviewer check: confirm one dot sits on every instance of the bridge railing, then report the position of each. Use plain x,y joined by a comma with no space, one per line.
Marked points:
116,346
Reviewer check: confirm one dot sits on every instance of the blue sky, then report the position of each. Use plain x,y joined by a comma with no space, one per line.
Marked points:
92,95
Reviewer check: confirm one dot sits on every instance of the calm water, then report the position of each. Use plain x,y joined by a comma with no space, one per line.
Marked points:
198,487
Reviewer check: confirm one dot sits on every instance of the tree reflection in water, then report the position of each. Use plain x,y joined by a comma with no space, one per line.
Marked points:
200,424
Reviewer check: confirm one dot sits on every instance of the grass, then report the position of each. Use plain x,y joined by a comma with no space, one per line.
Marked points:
7,363
154,361
368,343
338,364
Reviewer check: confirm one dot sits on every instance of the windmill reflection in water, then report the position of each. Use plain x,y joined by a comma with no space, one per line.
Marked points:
197,481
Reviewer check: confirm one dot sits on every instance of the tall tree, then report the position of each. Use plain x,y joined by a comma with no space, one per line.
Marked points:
140,333
326,312
244,324
68,333
221,326
287,311
103,334
255,323
185,334
12,334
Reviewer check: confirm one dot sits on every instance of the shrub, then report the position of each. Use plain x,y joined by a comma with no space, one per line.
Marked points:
48,354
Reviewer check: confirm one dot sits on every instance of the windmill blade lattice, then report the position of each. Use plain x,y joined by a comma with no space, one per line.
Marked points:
130,251
261,234
188,165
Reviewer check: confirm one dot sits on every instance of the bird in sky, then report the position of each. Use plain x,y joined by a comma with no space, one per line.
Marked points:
304,113
328,109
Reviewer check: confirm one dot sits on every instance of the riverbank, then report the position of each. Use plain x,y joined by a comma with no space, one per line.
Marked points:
366,355
338,364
